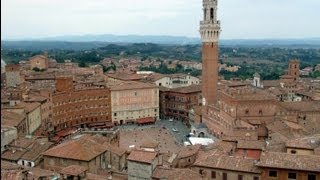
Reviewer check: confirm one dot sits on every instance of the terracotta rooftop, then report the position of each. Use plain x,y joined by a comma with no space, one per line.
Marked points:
13,154
29,107
175,174
36,150
13,174
11,118
126,76
131,85
243,144
73,170
188,89
188,151
305,106
142,156
310,142
231,163
83,148
6,165
290,161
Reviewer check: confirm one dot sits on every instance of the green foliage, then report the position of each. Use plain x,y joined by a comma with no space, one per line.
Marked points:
83,64
315,74
111,67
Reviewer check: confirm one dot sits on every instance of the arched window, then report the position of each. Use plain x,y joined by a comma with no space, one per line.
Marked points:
211,13
205,14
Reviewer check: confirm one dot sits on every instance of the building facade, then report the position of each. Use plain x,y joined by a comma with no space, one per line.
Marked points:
80,108
13,75
176,103
39,61
134,101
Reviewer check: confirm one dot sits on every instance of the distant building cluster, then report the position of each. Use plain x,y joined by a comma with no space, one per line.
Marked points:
62,121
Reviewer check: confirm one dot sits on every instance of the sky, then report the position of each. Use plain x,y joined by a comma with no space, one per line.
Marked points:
241,19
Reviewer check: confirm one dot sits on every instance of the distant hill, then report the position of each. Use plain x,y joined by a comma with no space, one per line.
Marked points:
95,41
120,39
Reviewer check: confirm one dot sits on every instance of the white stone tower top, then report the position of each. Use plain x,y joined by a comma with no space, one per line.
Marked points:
210,26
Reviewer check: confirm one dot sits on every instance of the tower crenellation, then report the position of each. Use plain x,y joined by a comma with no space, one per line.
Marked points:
210,26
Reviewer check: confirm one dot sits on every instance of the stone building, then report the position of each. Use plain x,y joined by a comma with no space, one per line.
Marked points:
79,107
141,164
39,61
172,80
280,166
14,119
134,102
186,156
13,75
86,151
32,111
8,134
176,103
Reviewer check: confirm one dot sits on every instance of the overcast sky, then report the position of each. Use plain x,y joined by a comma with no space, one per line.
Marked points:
240,18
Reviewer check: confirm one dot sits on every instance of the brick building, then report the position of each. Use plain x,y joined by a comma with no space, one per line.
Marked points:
39,61
176,103
279,166
79,107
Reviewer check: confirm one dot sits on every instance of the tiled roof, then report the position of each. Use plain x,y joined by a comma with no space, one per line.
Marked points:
301,106
310,142
11,118
36,150
13,154
231,163
243,144
83,148
188,89
6,165
73,170
29,107
131,85
188,151
290,161
142,156
175,174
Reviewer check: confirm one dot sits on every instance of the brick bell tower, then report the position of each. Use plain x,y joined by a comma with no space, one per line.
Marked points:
210,31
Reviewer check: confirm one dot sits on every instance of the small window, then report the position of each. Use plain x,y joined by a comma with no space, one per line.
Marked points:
292,175
240,177
201,171
255,178
273,174
312,177
115,114
213,174
293,152
225,176
136,93
247,111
